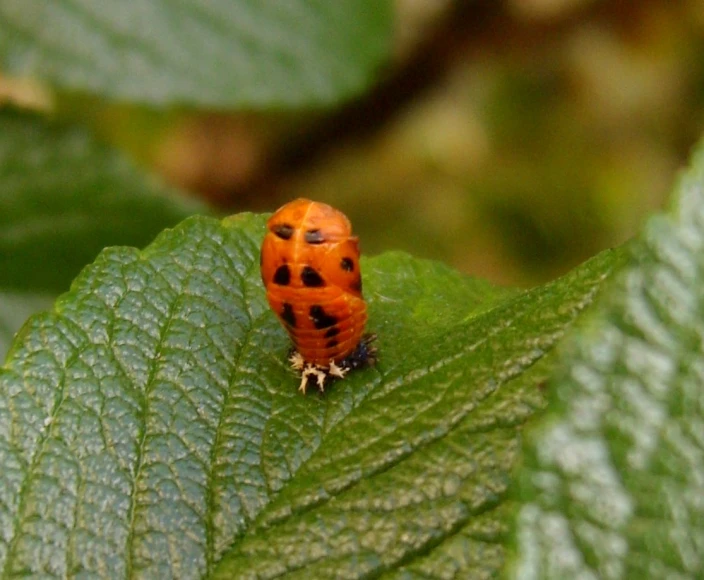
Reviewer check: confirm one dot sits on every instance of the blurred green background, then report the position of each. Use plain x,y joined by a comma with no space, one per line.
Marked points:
511,140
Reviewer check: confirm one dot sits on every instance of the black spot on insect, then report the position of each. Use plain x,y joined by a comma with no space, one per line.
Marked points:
357,284
333,331
314,237
282,276
310,278
284,231
288,316
320,318
331,343
347,264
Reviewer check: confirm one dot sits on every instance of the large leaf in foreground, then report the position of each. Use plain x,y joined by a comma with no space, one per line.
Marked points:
614,479
224,53
150,425
64,197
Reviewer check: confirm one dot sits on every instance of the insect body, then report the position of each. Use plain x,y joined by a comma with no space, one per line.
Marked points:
310,267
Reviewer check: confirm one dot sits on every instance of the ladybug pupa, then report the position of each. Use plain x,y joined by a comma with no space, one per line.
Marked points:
310,268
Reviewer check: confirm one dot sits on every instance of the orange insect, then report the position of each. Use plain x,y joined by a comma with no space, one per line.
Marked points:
310,268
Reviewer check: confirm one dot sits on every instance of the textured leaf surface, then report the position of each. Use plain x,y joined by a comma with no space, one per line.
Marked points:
246,53
614,485
64,197
150,426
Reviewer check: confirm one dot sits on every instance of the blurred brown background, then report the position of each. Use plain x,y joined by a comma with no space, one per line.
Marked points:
511,140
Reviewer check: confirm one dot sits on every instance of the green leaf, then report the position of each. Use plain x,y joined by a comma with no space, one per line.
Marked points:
150,425
613,485
225,53
64,197
15,308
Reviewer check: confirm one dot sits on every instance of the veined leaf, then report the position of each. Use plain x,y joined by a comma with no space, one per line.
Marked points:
150,425
614,479
214,53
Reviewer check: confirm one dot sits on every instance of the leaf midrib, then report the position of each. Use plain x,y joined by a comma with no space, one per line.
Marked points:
155,364
210,497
